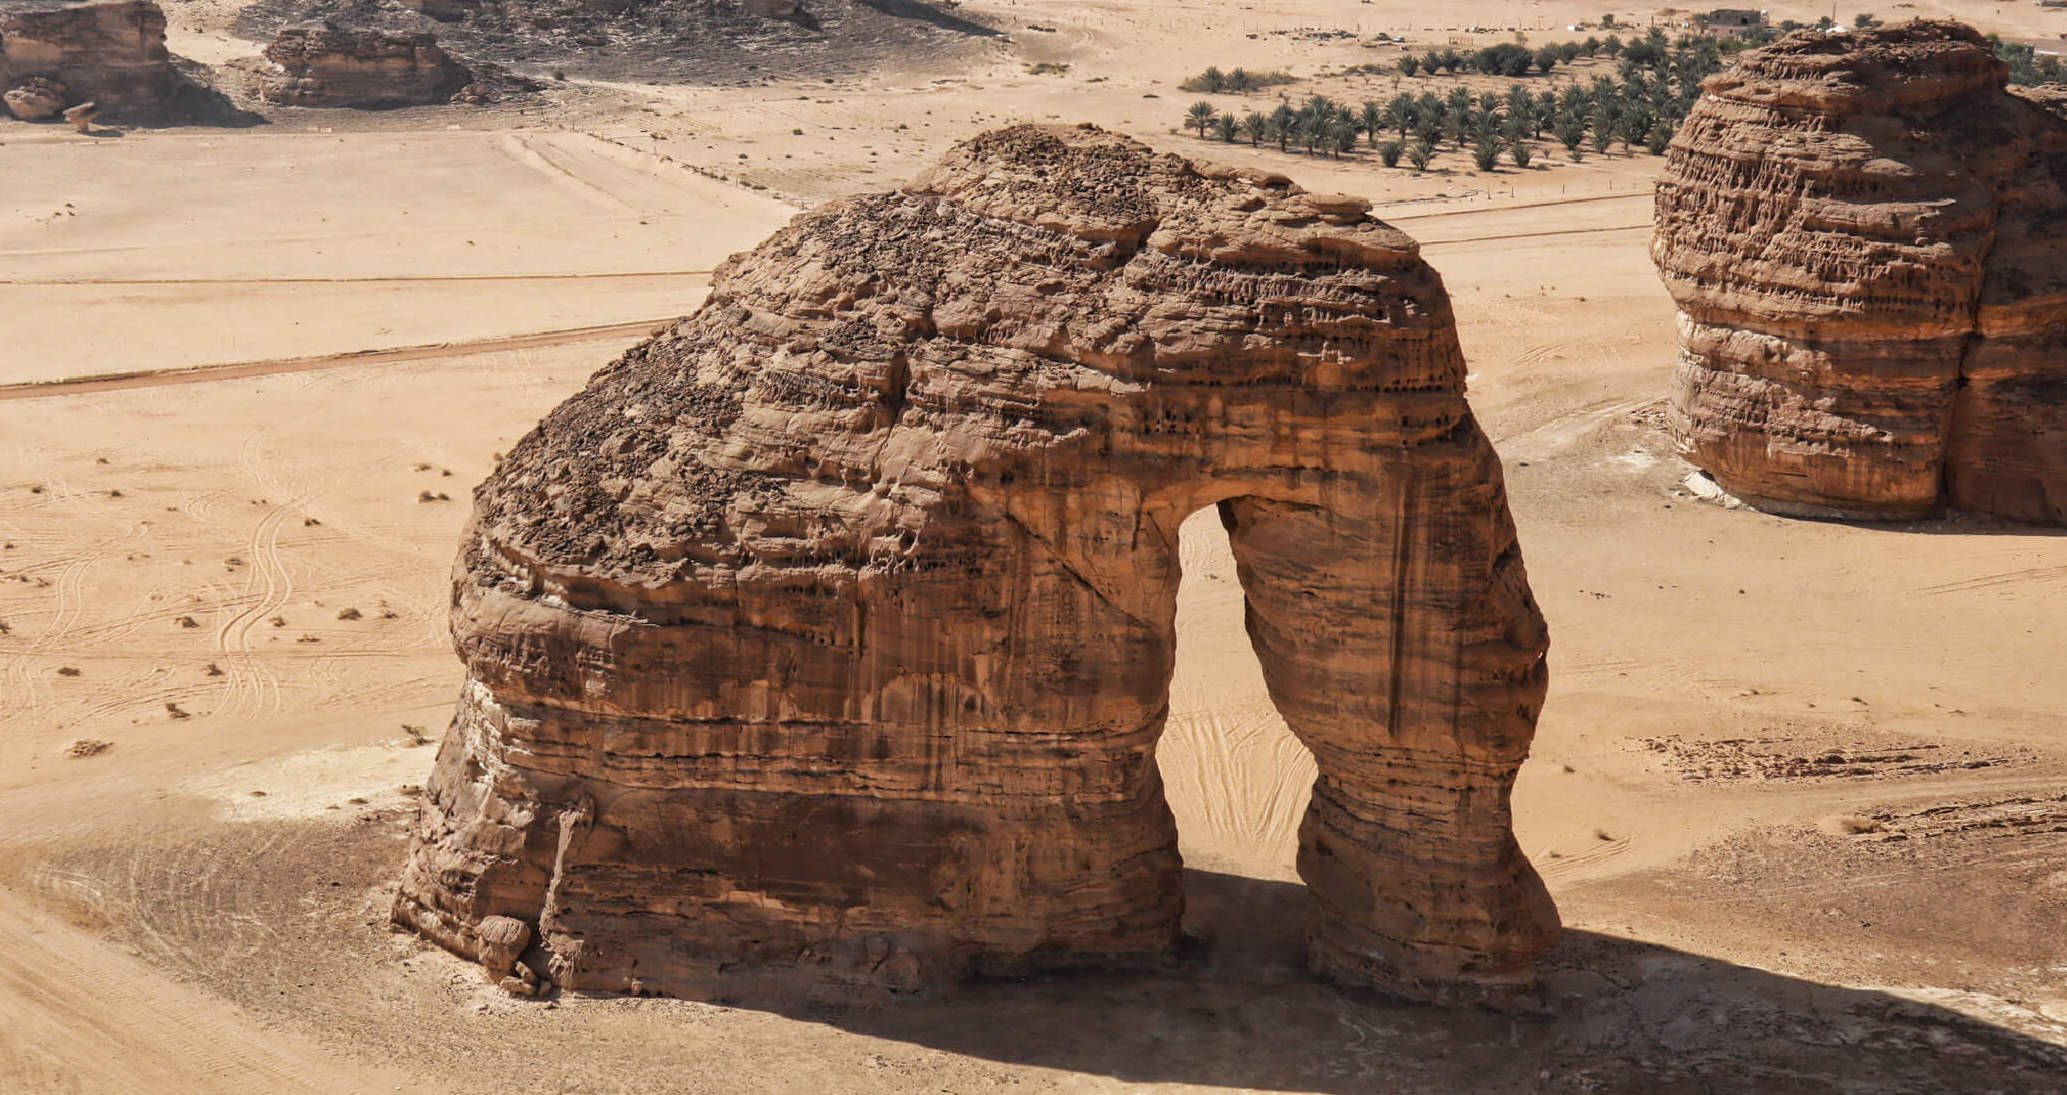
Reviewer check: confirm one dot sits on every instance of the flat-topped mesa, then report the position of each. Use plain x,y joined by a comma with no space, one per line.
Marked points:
1866,235
821,644
109,52
320,64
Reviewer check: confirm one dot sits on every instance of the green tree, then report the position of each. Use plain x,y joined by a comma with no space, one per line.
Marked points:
1547,59
1284,123
1486,155
1255,127
1409,65
1225,128
1419,154
1522,153
1389,153
1201,116
1399,113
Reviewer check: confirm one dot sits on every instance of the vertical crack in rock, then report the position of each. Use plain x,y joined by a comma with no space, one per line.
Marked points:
1866,235
821,644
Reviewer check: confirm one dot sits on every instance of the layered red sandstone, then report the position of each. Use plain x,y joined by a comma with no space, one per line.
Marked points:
110,52
1866,235
822,643
321,64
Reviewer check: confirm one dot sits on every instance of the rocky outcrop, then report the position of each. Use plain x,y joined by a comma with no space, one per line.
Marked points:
36,99
111,52
320,64
822,643
697,41
1866,235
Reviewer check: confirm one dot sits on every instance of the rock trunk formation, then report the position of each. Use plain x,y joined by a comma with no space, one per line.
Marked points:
111,52
1866,235
321,64
821,644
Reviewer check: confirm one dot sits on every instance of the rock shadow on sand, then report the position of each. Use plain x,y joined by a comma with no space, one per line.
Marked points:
1239,1011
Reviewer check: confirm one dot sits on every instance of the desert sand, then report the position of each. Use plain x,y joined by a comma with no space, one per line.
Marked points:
1797,788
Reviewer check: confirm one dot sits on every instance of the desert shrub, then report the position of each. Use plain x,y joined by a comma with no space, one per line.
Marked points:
1238,81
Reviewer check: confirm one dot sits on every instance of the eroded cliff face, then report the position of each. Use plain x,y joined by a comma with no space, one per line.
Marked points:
321,64
109,52
1866,236
822,643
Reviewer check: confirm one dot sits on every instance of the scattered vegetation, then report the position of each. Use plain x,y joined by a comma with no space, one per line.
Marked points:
1239,81
349,614
68,671
175,711
88,747
2027,65
1642,105
1048,68
417,735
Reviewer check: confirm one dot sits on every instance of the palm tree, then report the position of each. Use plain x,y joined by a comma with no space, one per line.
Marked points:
1419,153
1201,116
1571,132
1225,128
1399,113
1389,153
1255,127
1486,155
1373,119
1312,131
1342,136
1522,153
1283,124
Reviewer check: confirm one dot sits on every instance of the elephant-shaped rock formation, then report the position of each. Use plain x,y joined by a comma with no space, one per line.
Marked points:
1866,236
821,644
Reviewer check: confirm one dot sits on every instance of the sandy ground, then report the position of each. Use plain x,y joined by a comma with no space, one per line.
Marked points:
1798,789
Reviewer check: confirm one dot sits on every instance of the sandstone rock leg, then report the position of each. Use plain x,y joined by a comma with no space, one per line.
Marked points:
1400,642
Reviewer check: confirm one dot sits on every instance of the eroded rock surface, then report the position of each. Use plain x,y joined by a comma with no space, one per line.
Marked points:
822,643
320,64
111,52
1866,235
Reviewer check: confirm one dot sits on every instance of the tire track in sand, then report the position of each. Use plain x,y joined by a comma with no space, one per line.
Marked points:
243,370
83,1017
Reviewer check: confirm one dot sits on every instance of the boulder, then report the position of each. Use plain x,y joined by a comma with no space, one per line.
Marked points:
1866,237
502,941
820,646
322,64
36,99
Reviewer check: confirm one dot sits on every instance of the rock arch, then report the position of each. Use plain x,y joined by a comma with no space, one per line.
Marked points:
822,643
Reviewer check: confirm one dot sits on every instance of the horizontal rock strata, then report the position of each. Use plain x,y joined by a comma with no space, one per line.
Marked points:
1866,235
821,644
109,52
320,64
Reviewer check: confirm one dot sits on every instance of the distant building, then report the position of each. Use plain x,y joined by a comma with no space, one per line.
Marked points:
1730,20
